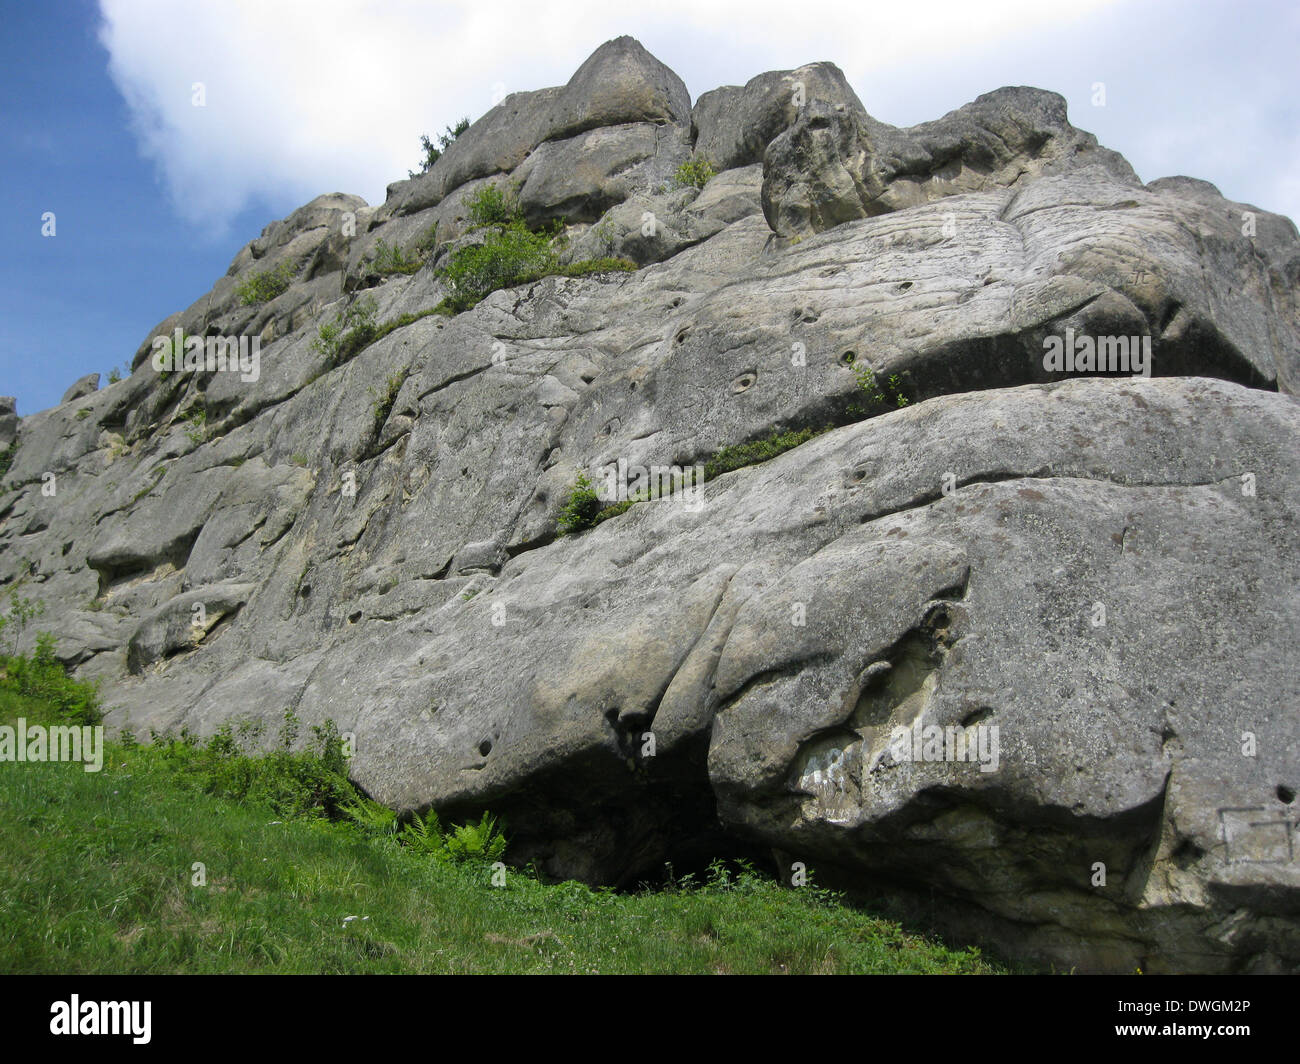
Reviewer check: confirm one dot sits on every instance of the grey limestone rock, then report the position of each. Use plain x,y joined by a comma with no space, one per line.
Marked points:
1089,580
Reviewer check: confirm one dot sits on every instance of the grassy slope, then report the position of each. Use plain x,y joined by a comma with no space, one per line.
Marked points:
96,877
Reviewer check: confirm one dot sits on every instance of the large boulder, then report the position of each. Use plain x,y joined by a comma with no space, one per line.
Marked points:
620,84
836,162
83,386
735,124
1096,561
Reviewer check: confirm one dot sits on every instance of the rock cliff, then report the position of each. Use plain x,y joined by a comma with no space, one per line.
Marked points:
1005,639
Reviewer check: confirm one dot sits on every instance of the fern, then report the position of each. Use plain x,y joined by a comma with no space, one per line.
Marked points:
371,817
423,835
476,842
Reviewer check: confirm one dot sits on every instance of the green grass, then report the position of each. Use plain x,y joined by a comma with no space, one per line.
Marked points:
388,260
351,332
511,254
99,876
381,404
264,285
746,454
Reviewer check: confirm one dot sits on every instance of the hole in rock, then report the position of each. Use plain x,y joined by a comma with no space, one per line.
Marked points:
1285,794
485,747
1186,853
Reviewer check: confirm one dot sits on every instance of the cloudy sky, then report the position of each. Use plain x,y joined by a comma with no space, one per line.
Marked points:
153,196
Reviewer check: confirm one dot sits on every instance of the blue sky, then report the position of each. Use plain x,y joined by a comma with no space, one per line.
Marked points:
154,196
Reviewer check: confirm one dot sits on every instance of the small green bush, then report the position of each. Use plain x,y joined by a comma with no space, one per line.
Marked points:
510,255
695,173
388,260
492,205
383,402
22,611
890,391
265,285
42,675
581,508
433,152
197,424
308,783
349,332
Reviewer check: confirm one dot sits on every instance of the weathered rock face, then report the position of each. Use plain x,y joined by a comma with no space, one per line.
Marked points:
835,162
87,385
1019,651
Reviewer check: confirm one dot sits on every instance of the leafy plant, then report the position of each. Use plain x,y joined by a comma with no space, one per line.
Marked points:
41,675
493,205
115,374
433,152
423,835
510,253
383,401
604,234
21,612
197,424
264,285
310,783
389,260
509,256
371,817
349,332
582,506
476,842
891,390
7,457
695,173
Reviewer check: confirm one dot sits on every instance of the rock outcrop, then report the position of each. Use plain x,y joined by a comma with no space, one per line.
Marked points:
1009,641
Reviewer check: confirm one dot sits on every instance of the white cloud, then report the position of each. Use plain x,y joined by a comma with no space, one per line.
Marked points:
333,95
